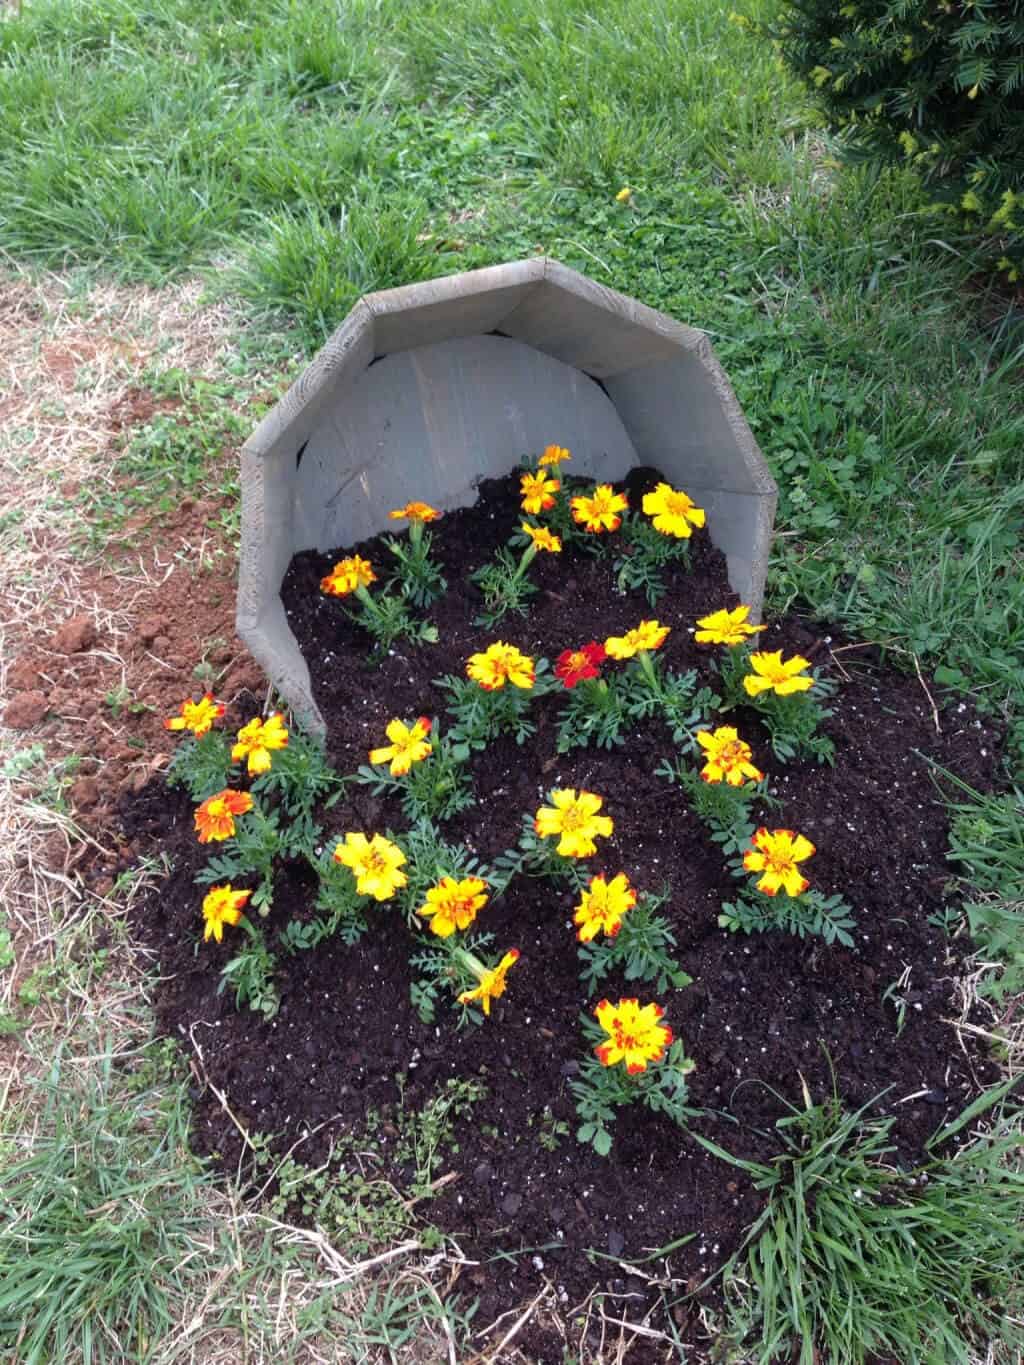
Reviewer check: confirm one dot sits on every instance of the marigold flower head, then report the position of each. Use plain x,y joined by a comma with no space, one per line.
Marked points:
725,627
542,538
635,1034
408,745
538,492
374,863
600,511
491,982
553,455
771,673
574,819
501,663
776,854
452,905
215,817
222,905
602,907
624,196
672,512
258,739
415,511
347,575
648,635
727,757
573,665
197,716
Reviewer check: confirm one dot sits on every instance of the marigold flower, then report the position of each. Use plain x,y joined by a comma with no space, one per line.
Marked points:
728,757
415,511
492,982
538,492
553,455
452,905
602,907
771,673
258,739
197,716
624,196
501,663
575,820
646,636
408,745
542,538
573,665
600,512
725,627
635,1035
222,905
374,863
348,575
672,512
776,855
215,817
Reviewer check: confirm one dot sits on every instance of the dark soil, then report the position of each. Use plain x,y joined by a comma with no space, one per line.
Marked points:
765,1015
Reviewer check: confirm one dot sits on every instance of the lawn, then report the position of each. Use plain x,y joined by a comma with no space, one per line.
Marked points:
290,157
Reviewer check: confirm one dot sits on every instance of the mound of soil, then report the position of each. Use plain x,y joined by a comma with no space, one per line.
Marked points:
765,1014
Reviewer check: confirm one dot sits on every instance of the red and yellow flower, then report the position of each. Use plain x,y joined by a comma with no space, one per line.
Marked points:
538,492
573,665
501,663
408,745
647,636
452,905
575,820
215,817
600,511
672,512
258,740
728,758
541,538
553,455
772,673
602,907
415,511
775,854
222,905
348,575
374,863
491,980
197,716
725,627
636,1035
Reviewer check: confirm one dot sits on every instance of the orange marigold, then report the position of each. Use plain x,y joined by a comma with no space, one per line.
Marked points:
215,817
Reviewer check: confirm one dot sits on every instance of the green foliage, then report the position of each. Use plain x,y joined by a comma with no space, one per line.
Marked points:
813,913
651,691
504,586
724,809
595,712
430,858
441,965
643,556
434,789
937,87
300,777
250,974
417,578
386,617
202,766
258,843
481,716
640,949
341,909
793,722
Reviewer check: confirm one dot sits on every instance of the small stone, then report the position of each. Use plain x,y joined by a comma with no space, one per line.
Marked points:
511,1204
569,1068
934,1097
160,644
25,710
85,793
75,635
616,1242
483,1173
150,627
22,676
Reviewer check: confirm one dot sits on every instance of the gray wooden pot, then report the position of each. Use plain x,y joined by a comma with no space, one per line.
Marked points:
425,390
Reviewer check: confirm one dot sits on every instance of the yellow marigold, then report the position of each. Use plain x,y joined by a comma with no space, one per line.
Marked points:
672,512
215,817
197,716
374,863
258,739
408,745
776,854
491,982
415,511
624,196
635,1034
553,455
646,636
538,492
222,905
452,905
772,674
542,538
602,907
600,511
728,757
575,820
725,627
501,663
347,575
